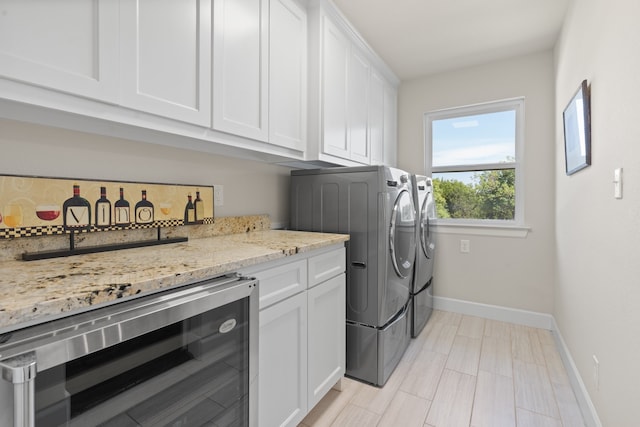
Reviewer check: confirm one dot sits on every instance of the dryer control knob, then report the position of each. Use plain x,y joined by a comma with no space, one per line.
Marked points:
404,179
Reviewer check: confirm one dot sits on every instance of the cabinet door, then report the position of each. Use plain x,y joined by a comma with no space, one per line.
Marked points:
358,104
376,118
335,59
390,125
67,46
288,75
326,304
282,396
240,67
165,48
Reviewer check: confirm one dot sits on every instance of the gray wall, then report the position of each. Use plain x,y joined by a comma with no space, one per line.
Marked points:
250,187
514,272
597,294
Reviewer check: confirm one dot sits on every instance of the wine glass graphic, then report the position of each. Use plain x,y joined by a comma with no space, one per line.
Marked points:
13,215
48,212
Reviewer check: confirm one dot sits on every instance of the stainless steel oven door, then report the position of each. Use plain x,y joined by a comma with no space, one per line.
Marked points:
184,356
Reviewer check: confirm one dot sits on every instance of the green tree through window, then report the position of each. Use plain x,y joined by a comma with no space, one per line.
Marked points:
491,195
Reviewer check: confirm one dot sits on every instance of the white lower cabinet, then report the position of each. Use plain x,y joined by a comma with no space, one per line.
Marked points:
302,333
326,318
282,367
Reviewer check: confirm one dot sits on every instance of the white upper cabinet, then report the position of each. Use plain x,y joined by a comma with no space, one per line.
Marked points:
376,119
283,79
71,47
390,130
288,75
358,103
240,67
165,49
347,117
335,59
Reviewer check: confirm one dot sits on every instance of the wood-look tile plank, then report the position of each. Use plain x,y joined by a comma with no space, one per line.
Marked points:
531,419
440,338
555,367
405,410
355,416
330,406
570,413
533,389
424,374
446,317
498,329
472,327
526,345
464,355
546,337
376,399
453,401
495,356
493,404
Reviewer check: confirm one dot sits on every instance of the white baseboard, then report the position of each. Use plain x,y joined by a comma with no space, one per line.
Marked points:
535,320
589,413
495,312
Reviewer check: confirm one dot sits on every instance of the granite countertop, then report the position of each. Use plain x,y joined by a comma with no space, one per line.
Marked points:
34,291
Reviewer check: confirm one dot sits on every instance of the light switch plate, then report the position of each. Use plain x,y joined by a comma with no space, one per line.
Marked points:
617,183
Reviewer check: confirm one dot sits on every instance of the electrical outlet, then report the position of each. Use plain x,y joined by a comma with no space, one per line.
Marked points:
596,372
218,195
465,246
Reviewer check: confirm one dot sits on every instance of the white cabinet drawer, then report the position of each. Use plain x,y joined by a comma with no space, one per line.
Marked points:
281,282
325,266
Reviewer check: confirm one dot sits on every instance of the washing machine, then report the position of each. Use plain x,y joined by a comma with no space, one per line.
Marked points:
374,205
422,285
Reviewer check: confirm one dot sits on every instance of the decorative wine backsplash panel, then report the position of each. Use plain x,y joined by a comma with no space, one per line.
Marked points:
35,206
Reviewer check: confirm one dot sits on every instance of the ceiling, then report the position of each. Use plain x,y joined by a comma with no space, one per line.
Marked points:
422,37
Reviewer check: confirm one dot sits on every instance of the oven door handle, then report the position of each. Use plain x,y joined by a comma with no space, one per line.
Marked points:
21,372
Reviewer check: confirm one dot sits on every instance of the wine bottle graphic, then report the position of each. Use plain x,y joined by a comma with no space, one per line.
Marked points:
199,208
189,211
76,212
122,211
103,210
144,210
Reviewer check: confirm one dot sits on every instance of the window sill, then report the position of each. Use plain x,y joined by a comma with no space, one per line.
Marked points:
479,229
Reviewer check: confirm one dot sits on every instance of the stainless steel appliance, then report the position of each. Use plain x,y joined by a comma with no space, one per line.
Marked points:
185,356
422,285
374,205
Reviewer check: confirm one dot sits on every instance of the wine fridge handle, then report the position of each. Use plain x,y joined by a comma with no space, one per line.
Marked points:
21,371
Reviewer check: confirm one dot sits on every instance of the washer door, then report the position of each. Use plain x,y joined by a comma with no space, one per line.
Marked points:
402,235
427,213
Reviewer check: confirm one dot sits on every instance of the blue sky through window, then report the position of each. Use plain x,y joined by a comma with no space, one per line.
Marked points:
474,140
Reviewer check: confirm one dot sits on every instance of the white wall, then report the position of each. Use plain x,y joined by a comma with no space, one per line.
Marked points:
597,296
250,187
506,271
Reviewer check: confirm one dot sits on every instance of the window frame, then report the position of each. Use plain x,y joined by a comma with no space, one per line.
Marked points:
513,104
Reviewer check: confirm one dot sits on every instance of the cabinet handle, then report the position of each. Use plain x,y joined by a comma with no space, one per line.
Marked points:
358,265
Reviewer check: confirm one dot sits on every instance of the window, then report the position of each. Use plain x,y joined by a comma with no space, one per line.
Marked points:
473,155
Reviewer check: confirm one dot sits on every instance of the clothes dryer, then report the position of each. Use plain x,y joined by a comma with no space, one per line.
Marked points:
374,205
422,285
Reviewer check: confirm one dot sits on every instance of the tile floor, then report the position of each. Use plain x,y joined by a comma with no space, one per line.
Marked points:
462,371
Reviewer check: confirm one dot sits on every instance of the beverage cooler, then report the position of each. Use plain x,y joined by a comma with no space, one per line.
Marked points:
186,356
